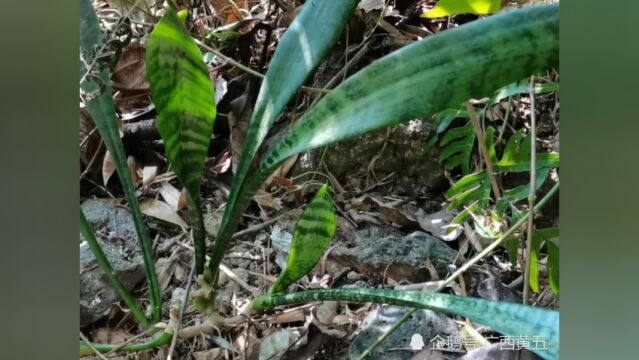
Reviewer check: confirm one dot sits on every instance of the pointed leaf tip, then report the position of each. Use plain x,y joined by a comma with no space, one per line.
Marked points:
313,233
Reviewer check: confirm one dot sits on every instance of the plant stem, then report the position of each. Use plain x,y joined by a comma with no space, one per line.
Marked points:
531,195
462,269
105,266
481,143
158,340
197,231
103,112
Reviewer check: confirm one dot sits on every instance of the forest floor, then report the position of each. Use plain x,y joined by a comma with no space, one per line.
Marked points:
389,191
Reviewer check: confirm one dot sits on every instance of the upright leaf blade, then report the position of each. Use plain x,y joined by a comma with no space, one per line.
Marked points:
433,74
304,44
184,99
313,232
103,114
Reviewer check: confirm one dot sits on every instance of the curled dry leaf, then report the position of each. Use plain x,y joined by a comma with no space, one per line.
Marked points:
171,195
129,79
265,199
108,167
161,210
228,11
148,174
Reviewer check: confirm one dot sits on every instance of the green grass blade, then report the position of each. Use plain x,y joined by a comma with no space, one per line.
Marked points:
428,76
184,99
304,44
103,114
313,232
507,318
107,269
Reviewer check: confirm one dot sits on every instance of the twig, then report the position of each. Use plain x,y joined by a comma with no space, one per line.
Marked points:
531,195
242,283
249,70
259,227
182,309
463,268
483,150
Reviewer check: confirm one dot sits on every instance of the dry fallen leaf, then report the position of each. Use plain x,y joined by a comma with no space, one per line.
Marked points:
165,267
108,167
171,195
267,200
148,174
133,168
161,210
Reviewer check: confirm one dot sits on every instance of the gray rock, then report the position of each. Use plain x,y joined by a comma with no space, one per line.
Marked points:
426,323
121,249
397,257
403,153
493,289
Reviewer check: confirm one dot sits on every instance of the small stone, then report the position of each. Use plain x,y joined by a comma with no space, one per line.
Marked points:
353,275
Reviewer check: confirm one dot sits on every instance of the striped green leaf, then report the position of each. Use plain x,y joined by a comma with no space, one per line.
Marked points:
184,100
424,78
102,112
302,47
313,232
433,74
507,318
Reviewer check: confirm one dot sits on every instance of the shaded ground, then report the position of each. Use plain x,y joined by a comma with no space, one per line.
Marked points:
386,186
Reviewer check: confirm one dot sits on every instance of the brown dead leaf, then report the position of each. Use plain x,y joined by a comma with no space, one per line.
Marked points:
282,170
108,167
110,336
148,174
129,74
129,79
398,217
267,200
294,315
227,11
89,142
223,164
161,210
165,267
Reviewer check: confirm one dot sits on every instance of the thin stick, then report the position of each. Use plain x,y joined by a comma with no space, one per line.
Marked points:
531,195
462,269
182,309
483,150
249,70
